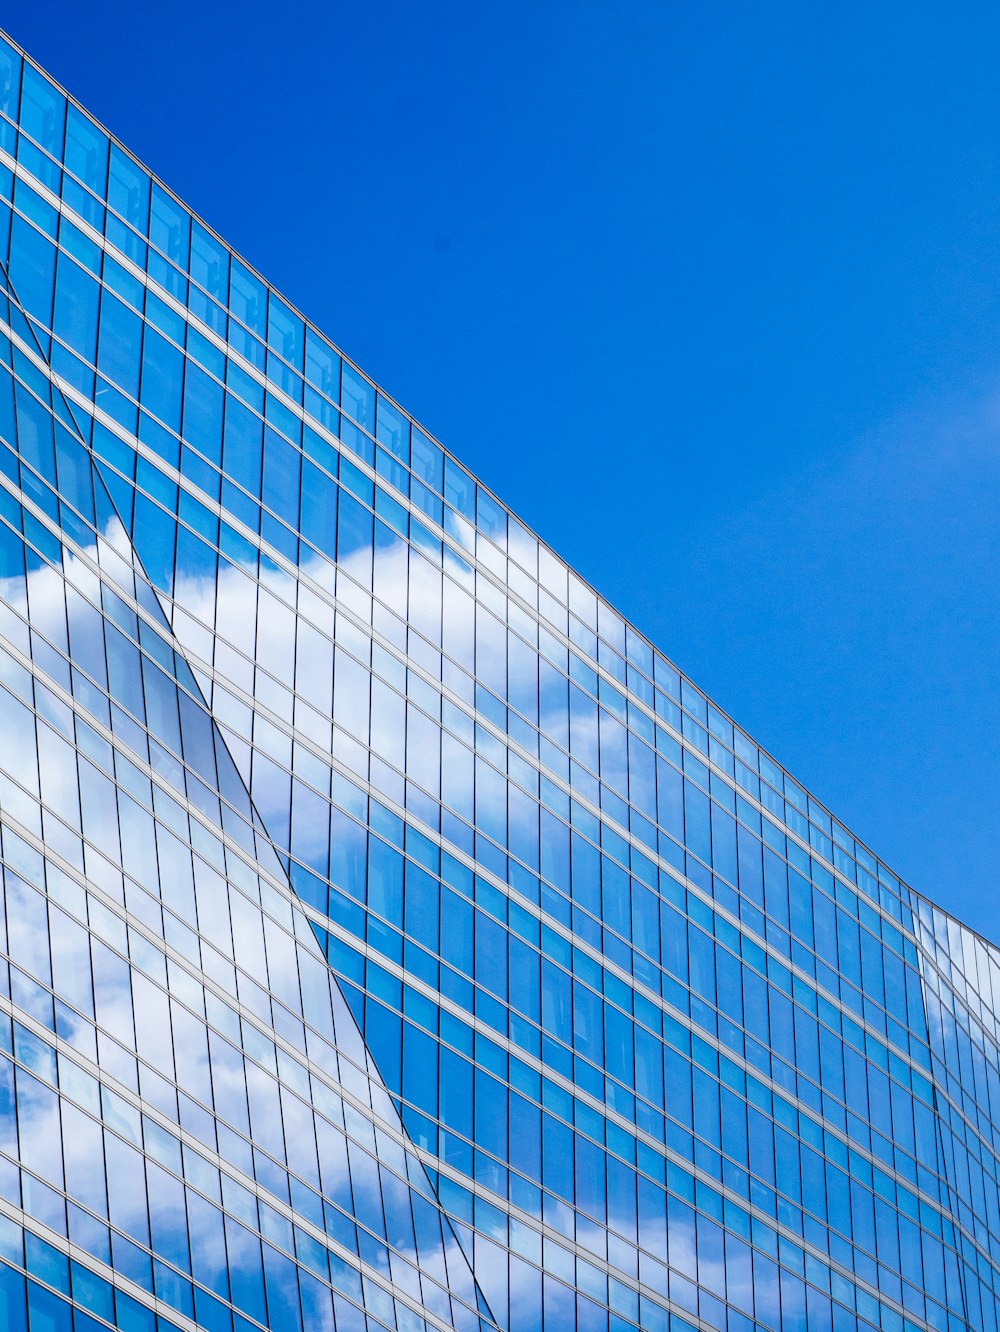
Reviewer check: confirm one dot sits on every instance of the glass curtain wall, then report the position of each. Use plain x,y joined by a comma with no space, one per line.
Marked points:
395,937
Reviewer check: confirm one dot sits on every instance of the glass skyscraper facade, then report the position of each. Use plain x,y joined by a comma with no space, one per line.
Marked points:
391,937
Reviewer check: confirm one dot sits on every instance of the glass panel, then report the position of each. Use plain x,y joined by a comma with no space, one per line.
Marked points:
128,190
87,151
322,365
10,85
43,112
393,430
427,460
170,227
285,332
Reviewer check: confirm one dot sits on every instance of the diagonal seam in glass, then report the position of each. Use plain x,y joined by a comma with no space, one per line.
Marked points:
152,607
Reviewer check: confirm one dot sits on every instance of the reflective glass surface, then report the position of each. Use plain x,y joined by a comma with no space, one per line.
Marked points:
392,937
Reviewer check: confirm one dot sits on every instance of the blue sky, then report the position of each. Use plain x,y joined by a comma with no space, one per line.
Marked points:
709,294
